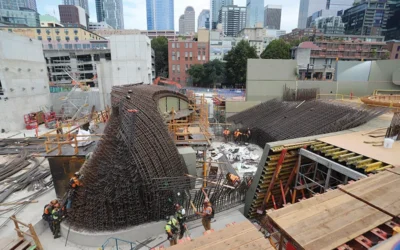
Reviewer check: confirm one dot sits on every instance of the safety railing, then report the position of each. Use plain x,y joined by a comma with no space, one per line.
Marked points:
32,232
118,244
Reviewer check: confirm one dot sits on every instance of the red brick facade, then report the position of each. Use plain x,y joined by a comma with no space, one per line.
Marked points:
182,55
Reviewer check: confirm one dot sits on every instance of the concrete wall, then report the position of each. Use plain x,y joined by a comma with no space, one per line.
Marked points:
266,78
235,107
23,78
93,97
353,71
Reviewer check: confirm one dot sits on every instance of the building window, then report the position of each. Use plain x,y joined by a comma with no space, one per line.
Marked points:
50,45
49,39
39,38
178,55
38,31
397,56
59,46
76,32
398,48
173,68
190,45
66,31
186,56
178,68
186,67
178,45
76,39
173,55
190,55
48,32
198,57
58,39
173,45
67,38
57,31
204,58
186,45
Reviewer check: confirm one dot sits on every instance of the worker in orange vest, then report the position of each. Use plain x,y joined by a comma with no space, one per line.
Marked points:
236,135
227,132
233,179
74,183
207,214
48,209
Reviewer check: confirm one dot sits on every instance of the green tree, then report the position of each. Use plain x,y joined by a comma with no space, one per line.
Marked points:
295,43
160,47
236,62
277,49
197,73
214,72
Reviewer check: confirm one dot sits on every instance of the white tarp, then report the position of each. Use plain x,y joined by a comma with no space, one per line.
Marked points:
82,139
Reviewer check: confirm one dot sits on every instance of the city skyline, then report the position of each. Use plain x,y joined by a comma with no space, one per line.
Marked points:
135,11
160,14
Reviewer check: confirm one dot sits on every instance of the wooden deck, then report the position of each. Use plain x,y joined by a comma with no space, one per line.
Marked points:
240,236
327,221
381,191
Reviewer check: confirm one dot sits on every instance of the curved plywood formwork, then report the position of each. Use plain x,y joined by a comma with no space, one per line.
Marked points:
119,188
382,100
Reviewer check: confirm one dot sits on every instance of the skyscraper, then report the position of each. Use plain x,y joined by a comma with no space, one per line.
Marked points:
233,19
255,13
272,17
189,21
111,12
16,4
215,8
160,14
203,20
182,24
339,4
307,8
81,3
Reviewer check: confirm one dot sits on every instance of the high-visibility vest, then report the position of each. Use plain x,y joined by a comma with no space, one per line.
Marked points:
171,226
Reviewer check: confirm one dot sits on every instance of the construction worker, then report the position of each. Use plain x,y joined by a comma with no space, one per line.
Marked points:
233,180
237,135
56,218
248,135
207,214
172,230
75,181
227,133
47,216
180,216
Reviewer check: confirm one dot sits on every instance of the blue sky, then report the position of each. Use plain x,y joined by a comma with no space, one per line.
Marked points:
135,11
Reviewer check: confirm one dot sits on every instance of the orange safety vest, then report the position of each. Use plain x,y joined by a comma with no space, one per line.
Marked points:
237,133
234,178
227,132
75,182
47,209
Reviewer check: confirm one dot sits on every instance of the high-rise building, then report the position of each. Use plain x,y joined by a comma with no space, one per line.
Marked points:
339,4
215,8
23,16
203,20
368,17
81,3
272,17
255,13
182,24
160,14
233,19
72,16
189,20
307,8
16,4
31,4
393,24
111,12
329,25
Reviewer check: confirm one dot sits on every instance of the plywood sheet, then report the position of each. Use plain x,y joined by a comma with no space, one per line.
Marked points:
394,170
328,220
240,236
355,143
381,190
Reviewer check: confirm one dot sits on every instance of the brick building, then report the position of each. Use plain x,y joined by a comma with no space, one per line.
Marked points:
317,60
182,55
72,16
393,46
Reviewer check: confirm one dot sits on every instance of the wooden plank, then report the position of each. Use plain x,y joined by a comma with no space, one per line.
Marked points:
382,194
234,241
394,170
7,243
260,244
355,142
237,229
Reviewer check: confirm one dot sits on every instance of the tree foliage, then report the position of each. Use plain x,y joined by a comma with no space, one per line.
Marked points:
296,42
208,74
160,47
236,62
277,49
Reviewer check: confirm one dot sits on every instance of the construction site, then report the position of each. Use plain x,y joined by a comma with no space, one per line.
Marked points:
284,164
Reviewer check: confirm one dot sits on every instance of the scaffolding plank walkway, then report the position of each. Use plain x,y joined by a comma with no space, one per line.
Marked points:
239,236
381,191
327,221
